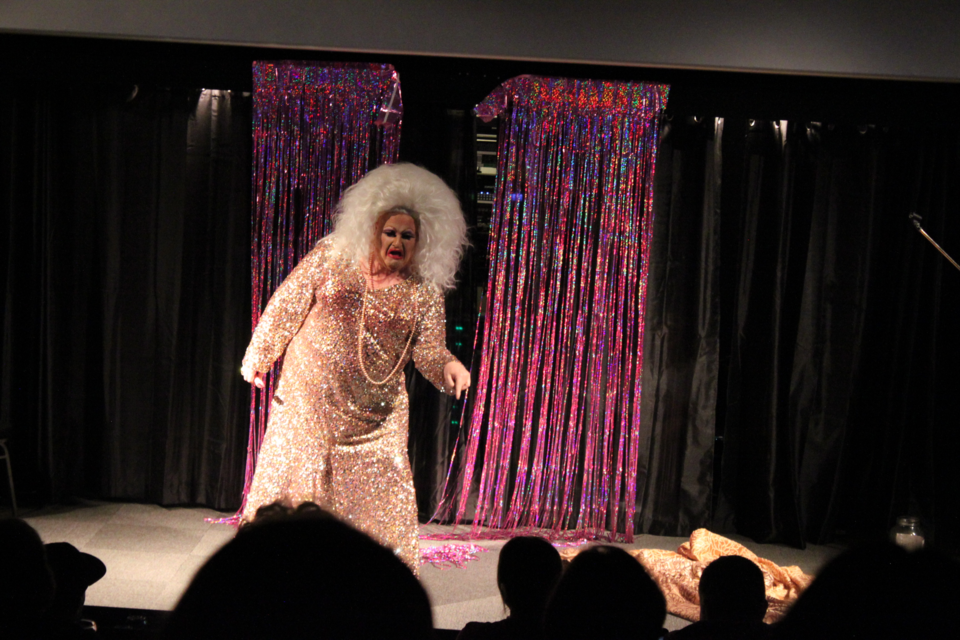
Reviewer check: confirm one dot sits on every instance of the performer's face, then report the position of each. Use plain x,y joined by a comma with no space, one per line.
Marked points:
398,241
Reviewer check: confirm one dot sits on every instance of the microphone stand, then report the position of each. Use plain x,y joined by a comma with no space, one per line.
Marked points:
915,219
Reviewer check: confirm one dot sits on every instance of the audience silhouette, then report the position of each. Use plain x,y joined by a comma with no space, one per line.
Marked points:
732,603
73,572
605,593
527,571
299,575
26,582
878,590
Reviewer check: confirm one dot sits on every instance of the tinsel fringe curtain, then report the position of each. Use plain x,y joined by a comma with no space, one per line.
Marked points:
552,436
316,131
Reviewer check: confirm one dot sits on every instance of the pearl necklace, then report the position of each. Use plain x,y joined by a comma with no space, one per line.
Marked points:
363,310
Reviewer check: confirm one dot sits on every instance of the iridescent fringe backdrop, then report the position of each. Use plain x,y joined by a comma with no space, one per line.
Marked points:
552,436
316,131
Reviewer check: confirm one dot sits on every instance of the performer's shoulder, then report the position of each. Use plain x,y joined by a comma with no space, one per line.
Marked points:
324,244
324,250
424,286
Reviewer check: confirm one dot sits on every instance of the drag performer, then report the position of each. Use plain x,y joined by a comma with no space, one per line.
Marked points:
354,311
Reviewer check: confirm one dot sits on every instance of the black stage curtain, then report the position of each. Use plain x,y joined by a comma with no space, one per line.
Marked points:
681,335
801,332
125,281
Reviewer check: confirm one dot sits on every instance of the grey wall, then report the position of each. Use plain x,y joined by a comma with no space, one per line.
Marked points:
878,38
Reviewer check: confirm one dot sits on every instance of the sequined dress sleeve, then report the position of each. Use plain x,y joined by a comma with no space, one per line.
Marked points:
430,354
285,312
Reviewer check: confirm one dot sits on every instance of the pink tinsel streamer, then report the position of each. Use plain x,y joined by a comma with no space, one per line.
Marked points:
551,441
317,129
447,556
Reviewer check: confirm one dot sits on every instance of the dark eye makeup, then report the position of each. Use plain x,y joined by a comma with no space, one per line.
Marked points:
391,233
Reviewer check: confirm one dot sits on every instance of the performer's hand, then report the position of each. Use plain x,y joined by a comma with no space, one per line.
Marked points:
456,378
253,377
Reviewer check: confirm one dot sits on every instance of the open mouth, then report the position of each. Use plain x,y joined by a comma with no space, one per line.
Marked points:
395,254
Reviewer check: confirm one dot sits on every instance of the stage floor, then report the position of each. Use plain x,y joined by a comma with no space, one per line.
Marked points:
153,552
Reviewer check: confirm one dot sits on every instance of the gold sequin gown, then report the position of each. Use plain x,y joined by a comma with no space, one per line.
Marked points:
333,437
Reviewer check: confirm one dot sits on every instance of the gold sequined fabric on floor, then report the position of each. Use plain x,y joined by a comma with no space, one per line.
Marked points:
333,436
678,573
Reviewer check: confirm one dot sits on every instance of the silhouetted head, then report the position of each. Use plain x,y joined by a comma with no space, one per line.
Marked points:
26,582
732,590
527,572
280,511
302,576
937,580
605,593
73,571
878,590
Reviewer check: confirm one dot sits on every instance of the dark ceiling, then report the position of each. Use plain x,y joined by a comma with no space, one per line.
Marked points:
460,83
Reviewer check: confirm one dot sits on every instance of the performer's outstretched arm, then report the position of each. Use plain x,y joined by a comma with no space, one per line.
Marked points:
285,313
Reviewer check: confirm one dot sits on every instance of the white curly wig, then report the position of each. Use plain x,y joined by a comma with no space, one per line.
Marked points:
442,236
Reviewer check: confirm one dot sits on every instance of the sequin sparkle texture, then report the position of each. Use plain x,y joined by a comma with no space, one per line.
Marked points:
317,129
551,440
335,437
